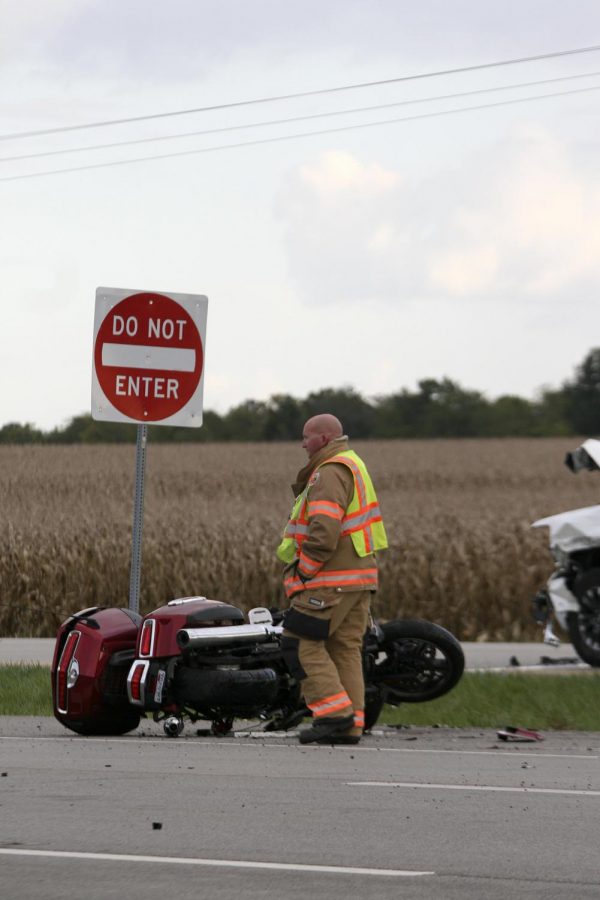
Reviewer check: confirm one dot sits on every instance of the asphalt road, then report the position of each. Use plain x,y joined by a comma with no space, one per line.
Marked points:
418,814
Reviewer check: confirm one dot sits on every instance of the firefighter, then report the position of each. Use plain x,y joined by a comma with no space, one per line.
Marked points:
328,547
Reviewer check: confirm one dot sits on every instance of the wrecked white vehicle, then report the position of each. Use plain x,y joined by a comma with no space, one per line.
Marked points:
572,593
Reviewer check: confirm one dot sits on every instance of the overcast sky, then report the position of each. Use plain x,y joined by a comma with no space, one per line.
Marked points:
463,245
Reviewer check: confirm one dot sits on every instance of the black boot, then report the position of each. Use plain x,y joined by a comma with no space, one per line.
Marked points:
326,727
340,739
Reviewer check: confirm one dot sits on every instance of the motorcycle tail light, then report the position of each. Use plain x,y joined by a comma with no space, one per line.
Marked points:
65,671
136,682
147,637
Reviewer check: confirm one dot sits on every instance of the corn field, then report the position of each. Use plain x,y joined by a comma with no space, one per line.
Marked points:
457,512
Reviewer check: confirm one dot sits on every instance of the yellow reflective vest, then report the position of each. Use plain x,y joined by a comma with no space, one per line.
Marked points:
361,521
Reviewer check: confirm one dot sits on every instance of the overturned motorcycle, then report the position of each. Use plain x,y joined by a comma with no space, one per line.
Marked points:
198,659
572,593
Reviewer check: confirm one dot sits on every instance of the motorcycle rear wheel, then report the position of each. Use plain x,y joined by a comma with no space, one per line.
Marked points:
237,691
584,626
418,661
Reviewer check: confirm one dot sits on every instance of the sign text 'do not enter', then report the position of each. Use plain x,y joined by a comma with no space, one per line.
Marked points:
148,358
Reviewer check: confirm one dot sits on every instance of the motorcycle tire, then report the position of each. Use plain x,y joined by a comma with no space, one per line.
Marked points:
107,724
418,661
584,626
236,689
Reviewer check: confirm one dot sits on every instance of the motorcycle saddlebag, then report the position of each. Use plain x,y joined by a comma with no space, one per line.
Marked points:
94,650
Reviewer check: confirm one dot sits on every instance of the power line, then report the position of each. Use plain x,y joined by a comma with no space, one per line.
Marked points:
288,121
346,87
290,137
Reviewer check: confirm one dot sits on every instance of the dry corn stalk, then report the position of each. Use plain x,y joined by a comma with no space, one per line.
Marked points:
458,516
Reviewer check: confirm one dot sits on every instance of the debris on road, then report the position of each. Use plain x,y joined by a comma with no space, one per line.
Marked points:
510,733
559,661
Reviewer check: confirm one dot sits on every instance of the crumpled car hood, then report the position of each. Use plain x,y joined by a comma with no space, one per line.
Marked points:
576,529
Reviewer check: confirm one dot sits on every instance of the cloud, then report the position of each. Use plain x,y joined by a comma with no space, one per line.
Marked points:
520,220
159,41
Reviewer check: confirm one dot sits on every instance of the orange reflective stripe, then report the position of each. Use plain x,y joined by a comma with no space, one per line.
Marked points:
325,508
308,566
330,704
361,525
359,718
309,563
372,508
292,585
352,578
366,514
358,479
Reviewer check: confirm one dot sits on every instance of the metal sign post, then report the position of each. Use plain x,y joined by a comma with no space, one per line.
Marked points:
148,367
138,519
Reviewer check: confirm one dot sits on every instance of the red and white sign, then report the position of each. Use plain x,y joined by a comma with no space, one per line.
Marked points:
148,357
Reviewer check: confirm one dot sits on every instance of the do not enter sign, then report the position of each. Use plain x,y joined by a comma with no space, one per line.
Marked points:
148,357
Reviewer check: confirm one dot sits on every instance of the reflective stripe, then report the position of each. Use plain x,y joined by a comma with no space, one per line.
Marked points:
357,578
330,704
308,565
369,514
294,528
325,508
359,718
361,521
358,479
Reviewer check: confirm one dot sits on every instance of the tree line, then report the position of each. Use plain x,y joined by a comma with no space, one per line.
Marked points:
438,408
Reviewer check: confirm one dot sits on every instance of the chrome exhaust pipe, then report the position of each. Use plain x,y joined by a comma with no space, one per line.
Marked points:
188,638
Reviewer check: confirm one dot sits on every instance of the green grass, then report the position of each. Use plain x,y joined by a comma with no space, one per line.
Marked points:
25,690
550,702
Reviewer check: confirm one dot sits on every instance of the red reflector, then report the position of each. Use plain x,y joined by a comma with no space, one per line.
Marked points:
147,638
136,683
63,669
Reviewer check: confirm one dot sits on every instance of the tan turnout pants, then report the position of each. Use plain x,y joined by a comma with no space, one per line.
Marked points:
329,649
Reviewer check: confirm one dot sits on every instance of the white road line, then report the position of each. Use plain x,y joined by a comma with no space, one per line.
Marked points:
219,863
546,668
129,740
472,787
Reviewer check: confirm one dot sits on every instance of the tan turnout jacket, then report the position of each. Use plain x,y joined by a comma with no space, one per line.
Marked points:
324,543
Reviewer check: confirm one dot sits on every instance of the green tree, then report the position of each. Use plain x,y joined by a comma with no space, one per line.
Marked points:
510,416
437,409
356,414
246,422
15,433
85,430
582,396
284,418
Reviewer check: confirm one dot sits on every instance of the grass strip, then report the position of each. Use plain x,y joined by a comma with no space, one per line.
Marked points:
25,690
493,700
480,700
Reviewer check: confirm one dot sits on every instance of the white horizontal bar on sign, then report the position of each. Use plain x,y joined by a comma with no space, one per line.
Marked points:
139,356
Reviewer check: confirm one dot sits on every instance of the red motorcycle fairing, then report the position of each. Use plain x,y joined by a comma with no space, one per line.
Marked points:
151,671
110,664
94,650
158,634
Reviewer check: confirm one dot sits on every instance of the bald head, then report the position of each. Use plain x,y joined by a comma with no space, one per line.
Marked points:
319,431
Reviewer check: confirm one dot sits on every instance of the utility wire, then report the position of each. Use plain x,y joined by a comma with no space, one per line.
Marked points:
346,87
291,137
339,112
